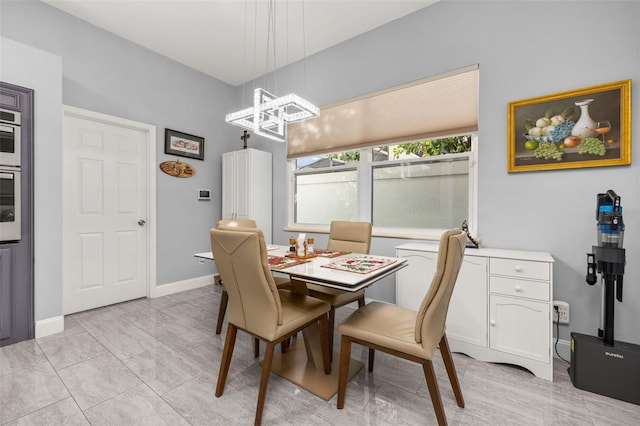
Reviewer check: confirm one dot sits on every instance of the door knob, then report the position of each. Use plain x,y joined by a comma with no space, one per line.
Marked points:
141,222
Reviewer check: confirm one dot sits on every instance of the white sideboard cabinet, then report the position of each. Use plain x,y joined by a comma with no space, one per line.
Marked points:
501,307
246,187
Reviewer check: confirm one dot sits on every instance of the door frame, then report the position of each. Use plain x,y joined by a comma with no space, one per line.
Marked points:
150,131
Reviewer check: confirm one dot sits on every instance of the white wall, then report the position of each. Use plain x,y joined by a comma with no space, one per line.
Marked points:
41,71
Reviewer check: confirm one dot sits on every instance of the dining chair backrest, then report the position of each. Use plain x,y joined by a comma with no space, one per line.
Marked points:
242,262
432,315
349,236
238,223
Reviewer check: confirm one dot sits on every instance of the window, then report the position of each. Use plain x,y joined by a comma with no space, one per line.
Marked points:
415,188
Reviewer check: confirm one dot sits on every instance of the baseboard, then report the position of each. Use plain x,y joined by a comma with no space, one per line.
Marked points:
564,349
49,326
178,286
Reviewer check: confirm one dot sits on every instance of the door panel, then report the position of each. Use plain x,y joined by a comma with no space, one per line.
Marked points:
105,195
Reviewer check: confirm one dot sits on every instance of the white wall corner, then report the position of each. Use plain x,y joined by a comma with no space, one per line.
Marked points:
178,286
49,326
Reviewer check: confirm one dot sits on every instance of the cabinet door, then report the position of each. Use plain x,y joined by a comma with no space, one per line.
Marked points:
5,294
520,327
413,281
467,316
242,190
228,185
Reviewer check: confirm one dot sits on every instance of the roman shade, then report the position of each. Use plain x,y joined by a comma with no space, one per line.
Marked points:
440,105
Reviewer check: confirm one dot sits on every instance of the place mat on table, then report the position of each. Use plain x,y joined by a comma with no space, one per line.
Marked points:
360,264
329,253
280,262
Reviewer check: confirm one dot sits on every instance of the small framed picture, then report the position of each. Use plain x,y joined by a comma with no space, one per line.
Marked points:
183,144
589,127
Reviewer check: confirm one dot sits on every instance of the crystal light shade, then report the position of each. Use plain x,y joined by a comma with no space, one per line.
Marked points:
269,114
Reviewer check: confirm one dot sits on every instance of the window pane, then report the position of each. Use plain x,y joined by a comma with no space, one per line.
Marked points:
328,160
423,148
327,196
421,195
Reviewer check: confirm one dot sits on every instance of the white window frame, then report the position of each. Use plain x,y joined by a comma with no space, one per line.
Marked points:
365,194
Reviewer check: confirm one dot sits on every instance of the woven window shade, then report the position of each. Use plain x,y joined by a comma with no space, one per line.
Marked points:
437,106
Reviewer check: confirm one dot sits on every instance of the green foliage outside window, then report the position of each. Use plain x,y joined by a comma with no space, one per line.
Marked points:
426,148
430,148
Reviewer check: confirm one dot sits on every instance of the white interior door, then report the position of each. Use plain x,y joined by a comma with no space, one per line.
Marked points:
105,210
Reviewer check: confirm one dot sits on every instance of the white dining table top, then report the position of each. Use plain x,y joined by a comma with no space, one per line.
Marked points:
313,271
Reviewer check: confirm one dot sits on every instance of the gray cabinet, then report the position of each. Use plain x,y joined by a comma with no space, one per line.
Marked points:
5,294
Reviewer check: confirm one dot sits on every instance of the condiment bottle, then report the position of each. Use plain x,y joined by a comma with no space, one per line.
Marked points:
310,249
292,245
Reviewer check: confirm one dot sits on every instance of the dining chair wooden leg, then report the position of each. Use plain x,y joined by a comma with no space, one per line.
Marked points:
324,343
224,300
361,302
345,358
264,381
284,346
372,354
229,344
434,391
256,347
332,323
445,350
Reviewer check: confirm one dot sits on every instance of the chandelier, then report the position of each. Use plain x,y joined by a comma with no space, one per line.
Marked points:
270,114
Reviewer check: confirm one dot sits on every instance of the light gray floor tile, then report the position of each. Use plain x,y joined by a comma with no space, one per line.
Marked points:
138,406
147,318
69,350
178,335
162,368
28,390
65,412
20,356
98,379
186,313
395,393
196,400
120,337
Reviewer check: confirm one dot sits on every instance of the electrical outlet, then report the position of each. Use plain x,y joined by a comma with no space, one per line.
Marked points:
200,262
560,312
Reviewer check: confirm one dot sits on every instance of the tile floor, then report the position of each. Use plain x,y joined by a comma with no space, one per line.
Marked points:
155,362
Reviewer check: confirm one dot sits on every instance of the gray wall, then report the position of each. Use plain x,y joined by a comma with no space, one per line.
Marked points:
525,49
42,71
107,74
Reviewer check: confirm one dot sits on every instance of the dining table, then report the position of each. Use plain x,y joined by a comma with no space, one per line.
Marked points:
301,364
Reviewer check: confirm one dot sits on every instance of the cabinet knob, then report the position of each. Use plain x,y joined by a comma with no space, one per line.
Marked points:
493,323
518,288
518,268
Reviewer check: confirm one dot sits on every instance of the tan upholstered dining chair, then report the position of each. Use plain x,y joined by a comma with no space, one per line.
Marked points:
257,306
408,334
350,237
224,297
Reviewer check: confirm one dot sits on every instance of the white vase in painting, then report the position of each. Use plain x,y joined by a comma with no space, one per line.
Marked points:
585,126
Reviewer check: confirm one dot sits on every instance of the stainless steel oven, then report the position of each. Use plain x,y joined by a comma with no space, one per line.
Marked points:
10,201
10,138
10,163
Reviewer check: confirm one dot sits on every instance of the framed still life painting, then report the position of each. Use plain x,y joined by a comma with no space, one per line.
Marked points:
589,127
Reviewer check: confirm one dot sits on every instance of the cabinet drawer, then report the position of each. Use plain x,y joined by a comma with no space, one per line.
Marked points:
519,268
520,288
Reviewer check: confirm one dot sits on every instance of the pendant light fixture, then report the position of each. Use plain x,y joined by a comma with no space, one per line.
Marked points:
270,114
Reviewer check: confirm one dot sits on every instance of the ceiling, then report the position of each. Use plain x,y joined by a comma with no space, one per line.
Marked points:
227,39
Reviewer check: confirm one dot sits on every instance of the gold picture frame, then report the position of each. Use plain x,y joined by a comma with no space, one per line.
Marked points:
589,127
